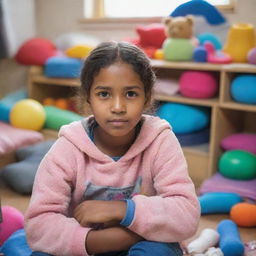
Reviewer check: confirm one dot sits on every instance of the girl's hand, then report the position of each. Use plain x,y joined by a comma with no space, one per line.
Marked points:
91,213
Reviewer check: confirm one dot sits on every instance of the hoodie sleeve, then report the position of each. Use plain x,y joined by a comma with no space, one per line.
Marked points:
48,227
173,214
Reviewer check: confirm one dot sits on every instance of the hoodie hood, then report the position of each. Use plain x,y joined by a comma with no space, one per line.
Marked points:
77,133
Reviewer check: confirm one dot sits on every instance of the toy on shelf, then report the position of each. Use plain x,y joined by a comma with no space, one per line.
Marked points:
243,89
242,141
230,241
217,57
13,220
79,51
62,103
179,44
244,214
198,84
238,165
207,53
207,238
251,56
28,114
240,40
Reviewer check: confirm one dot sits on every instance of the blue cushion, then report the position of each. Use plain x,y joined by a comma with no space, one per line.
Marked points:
243,89
184,118
20,175
195,138
63,67
218,202
16,245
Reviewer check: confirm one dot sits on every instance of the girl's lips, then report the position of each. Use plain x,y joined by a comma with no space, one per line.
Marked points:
118,122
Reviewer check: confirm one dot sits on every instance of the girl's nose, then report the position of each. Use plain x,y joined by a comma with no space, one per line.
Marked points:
118,105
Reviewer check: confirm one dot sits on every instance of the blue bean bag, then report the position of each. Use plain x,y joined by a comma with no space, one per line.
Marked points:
62,67
20,175
218,202
195,138
16,245
7,103
184,118
243,89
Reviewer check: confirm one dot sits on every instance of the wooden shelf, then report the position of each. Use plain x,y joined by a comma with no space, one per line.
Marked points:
227,116
238,106
180,99
56,81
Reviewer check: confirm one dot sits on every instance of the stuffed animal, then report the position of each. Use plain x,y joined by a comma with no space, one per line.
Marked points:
179,45
179,27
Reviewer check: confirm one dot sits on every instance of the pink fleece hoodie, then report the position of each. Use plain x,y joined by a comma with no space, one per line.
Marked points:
153,172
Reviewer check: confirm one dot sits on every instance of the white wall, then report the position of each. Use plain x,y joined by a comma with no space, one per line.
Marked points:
55,17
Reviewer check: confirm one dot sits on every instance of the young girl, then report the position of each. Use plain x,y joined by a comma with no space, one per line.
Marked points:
115,183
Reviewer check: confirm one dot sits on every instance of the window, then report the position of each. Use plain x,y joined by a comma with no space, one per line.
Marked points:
138,8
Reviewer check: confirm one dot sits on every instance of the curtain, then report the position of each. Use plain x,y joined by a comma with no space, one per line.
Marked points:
3,36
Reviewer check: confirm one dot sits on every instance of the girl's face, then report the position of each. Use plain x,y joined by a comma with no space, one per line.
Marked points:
117,99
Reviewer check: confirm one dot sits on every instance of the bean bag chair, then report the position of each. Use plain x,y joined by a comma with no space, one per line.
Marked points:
12,138
184,118
195,138
219,183
20,175
243,89
242,141
35,51
62,67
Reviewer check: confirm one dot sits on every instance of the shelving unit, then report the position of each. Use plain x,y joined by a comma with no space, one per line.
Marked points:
227,116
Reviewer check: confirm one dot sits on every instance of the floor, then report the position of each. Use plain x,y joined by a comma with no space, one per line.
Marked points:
9,197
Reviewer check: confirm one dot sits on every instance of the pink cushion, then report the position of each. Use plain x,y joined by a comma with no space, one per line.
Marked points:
35,51
198,84
12,138
242,141
151,35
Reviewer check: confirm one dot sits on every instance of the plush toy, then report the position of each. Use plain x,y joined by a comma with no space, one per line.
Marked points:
179,31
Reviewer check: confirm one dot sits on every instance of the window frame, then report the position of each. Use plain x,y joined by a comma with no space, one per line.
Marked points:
98,15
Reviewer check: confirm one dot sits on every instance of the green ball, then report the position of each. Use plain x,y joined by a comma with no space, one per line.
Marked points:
178,49
238,165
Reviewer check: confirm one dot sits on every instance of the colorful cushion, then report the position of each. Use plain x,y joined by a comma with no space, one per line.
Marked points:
63,67
218,183
79,51
151,35
243,89
20,175
12,138
242,141
184,118
35,51
195,138
198,84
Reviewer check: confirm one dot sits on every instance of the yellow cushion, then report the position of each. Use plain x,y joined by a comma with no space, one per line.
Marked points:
79,51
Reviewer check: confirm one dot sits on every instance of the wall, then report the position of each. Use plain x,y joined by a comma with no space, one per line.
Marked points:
55,17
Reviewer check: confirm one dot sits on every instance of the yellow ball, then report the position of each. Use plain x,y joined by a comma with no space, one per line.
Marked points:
159,54
28,114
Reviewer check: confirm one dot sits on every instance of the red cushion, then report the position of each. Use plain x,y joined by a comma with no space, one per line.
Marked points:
35,51
151,35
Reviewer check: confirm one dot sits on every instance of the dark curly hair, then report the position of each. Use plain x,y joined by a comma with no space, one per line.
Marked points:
108,53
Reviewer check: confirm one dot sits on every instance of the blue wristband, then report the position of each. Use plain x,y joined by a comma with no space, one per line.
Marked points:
129,215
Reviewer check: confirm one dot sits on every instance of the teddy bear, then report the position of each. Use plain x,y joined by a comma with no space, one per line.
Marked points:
179,27
179,44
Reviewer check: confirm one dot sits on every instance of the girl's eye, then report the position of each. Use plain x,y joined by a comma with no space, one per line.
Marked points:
103,94
131,94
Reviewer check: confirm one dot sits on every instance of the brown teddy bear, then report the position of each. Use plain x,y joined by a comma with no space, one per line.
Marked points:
179,27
